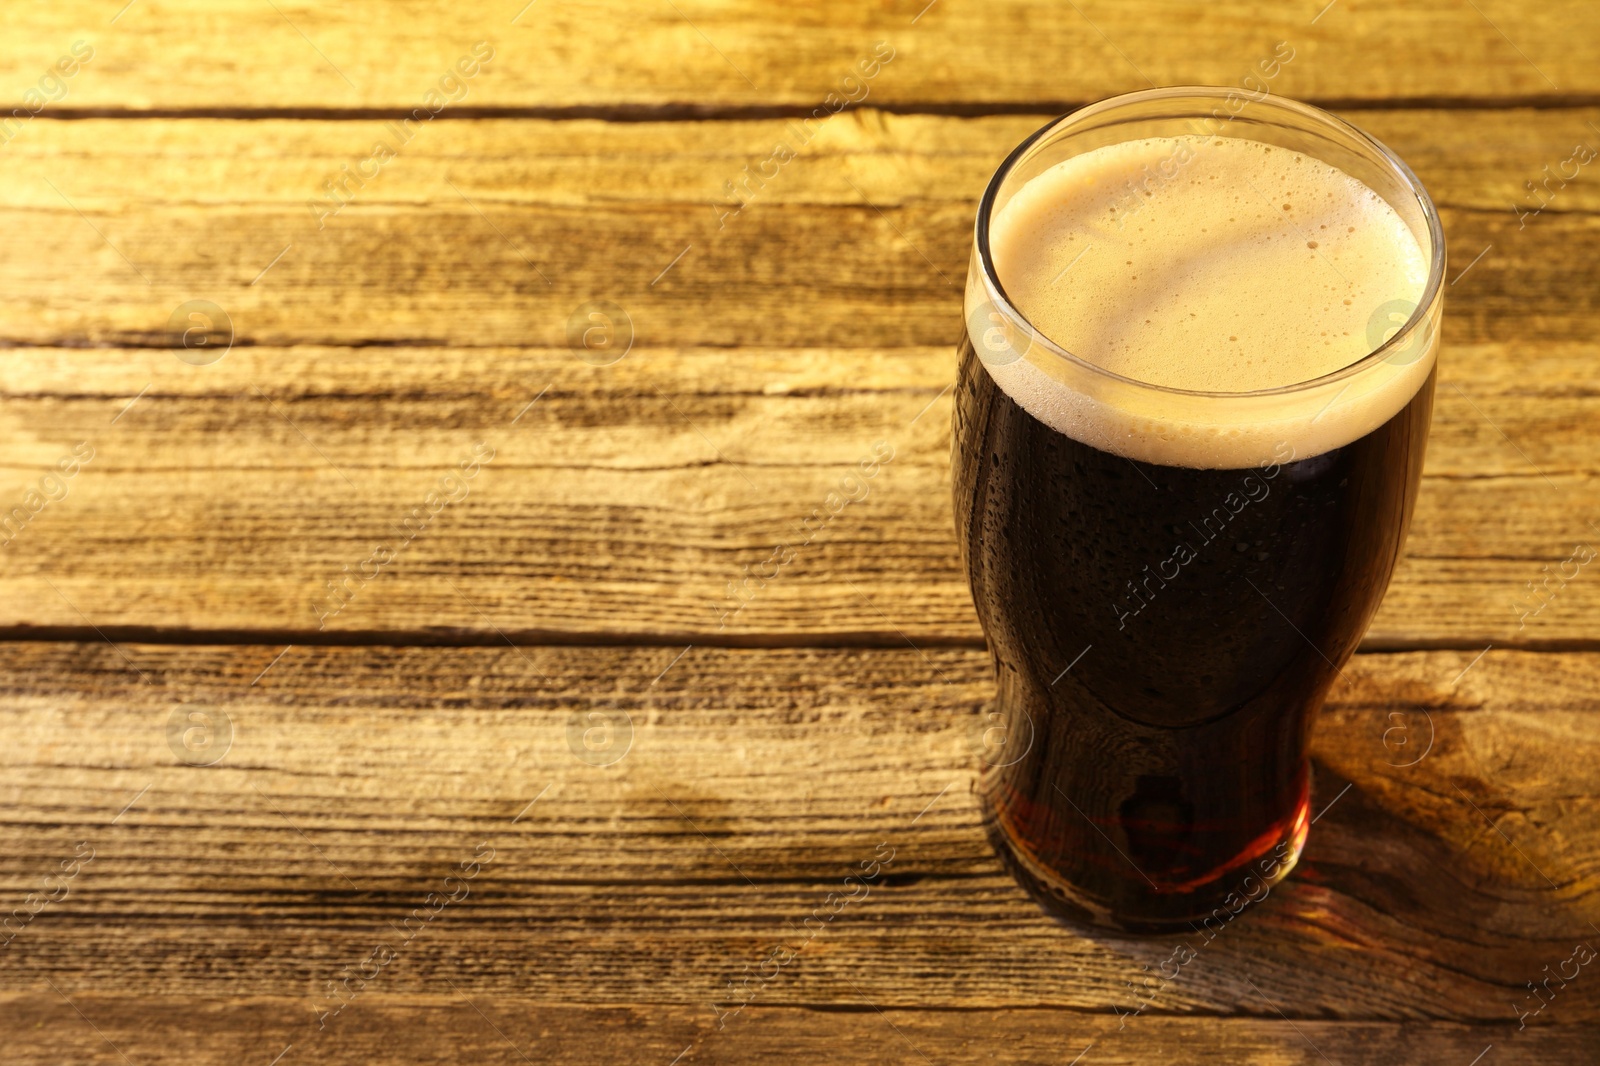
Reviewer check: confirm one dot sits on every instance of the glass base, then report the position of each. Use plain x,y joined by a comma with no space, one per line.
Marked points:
1148,907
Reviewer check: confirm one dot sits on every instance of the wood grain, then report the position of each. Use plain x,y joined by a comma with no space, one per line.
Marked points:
625,502
749,784
628,501
465,1027
496,232
612,55
181,573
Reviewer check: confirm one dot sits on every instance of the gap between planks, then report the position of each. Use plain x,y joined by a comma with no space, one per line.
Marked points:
687,112
466,638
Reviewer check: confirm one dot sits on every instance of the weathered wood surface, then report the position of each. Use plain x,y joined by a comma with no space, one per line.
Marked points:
631,495
388,1030
746,785
493,232
613,54
771,349
628,498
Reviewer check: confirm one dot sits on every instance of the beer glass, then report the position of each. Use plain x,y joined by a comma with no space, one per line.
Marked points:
1171,580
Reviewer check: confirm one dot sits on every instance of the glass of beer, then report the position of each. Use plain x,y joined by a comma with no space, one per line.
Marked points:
1193,399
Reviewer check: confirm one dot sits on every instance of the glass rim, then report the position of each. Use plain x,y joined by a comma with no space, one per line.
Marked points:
1420,315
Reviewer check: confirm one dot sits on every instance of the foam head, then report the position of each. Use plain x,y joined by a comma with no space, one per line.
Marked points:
1208,265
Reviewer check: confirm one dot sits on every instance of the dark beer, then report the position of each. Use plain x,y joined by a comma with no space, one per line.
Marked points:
1209,608
1167,604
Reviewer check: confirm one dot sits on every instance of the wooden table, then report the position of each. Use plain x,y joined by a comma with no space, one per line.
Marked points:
319,751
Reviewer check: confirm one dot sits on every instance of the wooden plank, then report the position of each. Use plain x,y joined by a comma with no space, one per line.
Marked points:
498,232
628,498
747,784
390,1030
234,54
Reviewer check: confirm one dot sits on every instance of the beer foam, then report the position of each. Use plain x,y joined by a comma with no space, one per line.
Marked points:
1211,265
